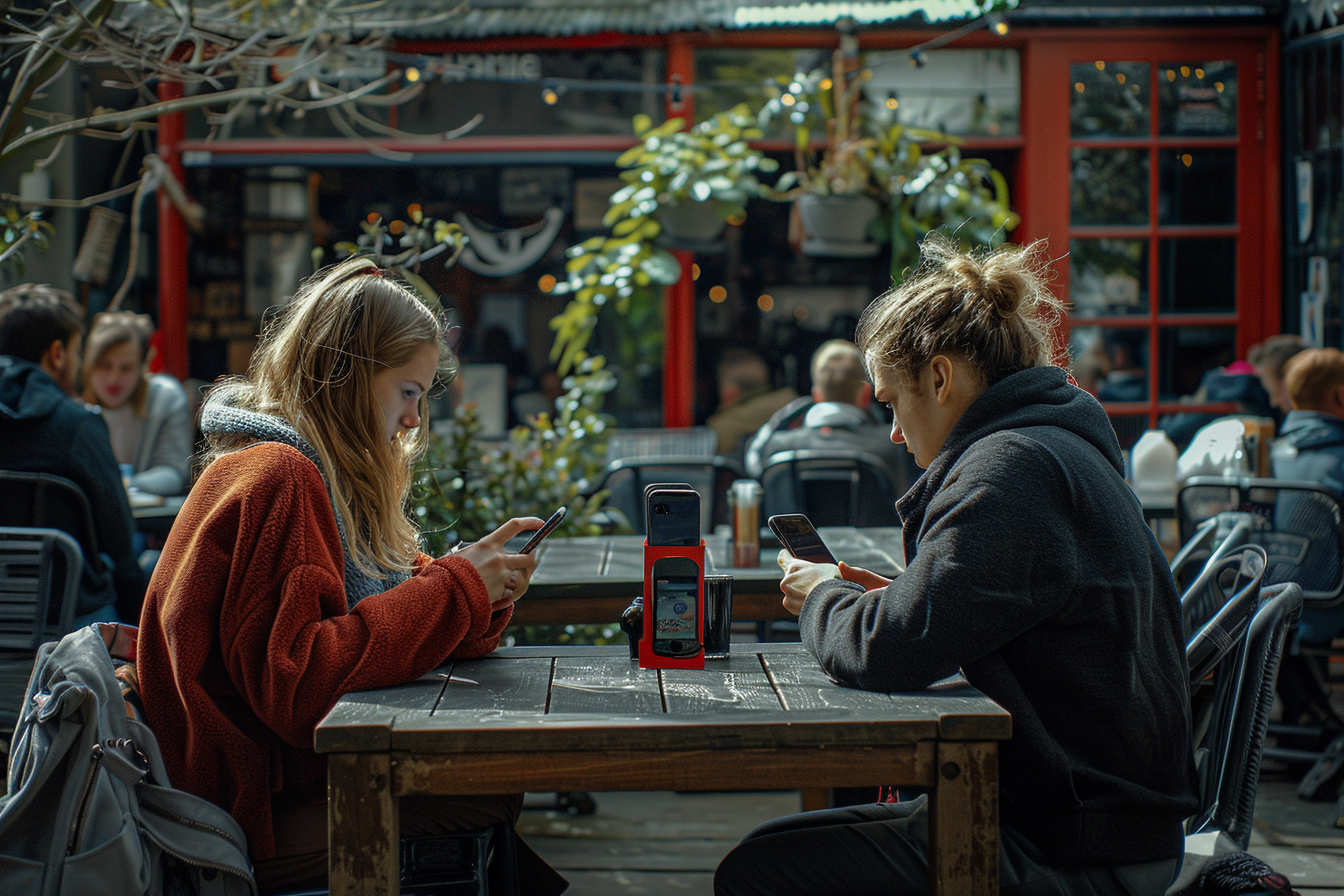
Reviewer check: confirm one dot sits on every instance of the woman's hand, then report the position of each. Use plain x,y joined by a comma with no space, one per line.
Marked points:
870,581
800,577
506,575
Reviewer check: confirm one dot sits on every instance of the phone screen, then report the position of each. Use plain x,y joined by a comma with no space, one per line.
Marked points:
676,593
546,529
800,538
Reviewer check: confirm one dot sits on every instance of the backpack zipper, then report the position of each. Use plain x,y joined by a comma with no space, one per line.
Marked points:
85,793
193,823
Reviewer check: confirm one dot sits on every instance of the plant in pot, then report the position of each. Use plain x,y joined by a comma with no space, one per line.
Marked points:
871,185
698,179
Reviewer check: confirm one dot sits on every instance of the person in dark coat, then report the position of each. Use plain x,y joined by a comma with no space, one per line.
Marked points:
1029,570
840,418
1310,448
45,430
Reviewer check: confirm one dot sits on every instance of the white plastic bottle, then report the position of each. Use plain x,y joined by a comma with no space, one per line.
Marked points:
1153,467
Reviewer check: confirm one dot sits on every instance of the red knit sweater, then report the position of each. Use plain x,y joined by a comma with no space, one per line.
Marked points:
245,641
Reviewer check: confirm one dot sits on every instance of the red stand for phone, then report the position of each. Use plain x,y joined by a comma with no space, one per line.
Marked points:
647,658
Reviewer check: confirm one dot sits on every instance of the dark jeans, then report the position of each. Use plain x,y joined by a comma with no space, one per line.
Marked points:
883,848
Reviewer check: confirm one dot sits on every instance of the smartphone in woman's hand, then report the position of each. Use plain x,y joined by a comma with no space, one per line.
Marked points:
799,537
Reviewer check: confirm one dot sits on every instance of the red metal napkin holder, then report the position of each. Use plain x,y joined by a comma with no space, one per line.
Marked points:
647,658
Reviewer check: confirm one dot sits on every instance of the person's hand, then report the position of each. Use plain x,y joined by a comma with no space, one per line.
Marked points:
506,575
870,581
800,577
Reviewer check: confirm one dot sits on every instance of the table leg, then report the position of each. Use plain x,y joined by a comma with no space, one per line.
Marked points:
964,821
364,856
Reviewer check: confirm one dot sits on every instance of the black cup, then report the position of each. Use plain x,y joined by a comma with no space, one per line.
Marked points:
718,614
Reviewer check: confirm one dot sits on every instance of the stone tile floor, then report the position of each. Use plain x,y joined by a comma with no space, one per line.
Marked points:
668,844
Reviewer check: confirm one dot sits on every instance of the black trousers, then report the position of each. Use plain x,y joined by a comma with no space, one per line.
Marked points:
883,848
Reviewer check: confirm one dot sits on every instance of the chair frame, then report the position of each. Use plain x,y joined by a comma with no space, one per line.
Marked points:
1244,696
793,459
44,484
714,507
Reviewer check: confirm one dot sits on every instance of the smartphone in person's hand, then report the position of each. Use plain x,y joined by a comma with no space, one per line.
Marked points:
546,529
799,537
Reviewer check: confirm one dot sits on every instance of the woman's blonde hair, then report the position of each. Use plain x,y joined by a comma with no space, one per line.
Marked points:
314,367
108,330
994,307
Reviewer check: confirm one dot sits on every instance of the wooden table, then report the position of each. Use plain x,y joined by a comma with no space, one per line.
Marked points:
592,580
544,719
154,515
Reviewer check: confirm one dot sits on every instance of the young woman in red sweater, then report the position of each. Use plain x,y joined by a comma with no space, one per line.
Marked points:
293,576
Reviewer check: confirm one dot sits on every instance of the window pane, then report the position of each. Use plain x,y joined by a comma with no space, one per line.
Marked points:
725,78
1197,186
1197,274
1187,353
1111,362
954,91
1108,186
1197,99
1108,276
1109,99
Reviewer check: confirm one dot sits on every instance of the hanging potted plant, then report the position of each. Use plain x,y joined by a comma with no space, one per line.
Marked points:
692,181
870,187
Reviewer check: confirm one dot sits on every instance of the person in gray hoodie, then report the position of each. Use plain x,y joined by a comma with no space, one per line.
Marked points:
1029,570
44,430
1310,448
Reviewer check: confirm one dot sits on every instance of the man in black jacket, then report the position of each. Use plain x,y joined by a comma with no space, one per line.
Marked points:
1030,571
44,430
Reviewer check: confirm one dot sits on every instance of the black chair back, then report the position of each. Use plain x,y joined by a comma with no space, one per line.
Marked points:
46,501
1299,524
39,587
710,475
834,488
1216,609
1229,751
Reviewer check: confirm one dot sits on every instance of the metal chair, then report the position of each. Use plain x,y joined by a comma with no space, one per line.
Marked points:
39,586
834,488
1216,609
709,474
1301,526
47,501
1228,754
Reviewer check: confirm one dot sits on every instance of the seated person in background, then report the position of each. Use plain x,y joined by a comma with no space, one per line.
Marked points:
746,399
44,430
1269,358
528,405
1236,383
841,418
1310,448
292,575
147,416
1030,570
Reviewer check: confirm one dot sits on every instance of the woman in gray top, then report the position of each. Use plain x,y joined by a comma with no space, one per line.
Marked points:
148,417
1031,571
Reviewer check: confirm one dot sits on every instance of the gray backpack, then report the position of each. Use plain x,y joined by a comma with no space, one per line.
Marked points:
88,807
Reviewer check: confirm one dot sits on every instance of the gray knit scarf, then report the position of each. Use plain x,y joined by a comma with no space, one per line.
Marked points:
219,417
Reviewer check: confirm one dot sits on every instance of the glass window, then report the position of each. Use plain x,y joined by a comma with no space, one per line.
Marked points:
1109,99
1110,362
1187,353
1198,274
961,92
724,78
1108,186
1197,186
1108,276
1197,99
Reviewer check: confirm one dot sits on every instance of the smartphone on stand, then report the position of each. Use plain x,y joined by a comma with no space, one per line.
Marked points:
676,607
672,515
546,529
799,537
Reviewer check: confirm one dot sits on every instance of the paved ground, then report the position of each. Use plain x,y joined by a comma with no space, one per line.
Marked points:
668,844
